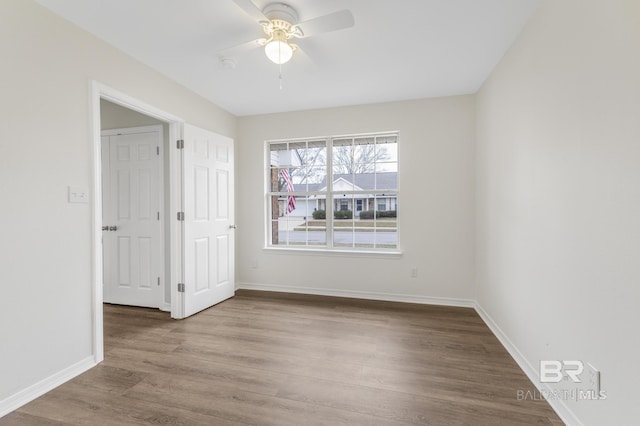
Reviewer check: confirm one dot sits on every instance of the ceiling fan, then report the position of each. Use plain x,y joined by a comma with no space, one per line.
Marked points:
279,21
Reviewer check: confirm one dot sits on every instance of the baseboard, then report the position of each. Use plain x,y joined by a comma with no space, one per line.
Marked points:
388,297
19,399
565,414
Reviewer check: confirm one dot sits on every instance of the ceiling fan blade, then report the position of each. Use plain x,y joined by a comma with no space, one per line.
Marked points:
241,48
251,9
327,23
302,57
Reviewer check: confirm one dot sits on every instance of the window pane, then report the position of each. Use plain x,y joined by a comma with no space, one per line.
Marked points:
279,155
343,152
364,158
278,147
274,214
316,178
357,156
299,231
387,149
365,140
363,197
366,230
342,181
298,154
386,163
314,155
385,222
296,146
274,179
386,231
387,167
285,179
338,142
386,181
343,235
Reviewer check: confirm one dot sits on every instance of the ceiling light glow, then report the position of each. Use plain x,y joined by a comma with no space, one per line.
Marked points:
278,49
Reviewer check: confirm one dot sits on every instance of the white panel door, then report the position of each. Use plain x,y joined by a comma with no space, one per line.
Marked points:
208,262
132,231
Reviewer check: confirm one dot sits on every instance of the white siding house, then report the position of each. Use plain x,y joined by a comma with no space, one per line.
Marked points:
344,198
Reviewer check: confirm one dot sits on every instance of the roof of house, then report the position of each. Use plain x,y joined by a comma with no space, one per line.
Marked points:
365,181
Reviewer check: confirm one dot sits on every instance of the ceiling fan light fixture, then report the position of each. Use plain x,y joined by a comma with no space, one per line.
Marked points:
278,49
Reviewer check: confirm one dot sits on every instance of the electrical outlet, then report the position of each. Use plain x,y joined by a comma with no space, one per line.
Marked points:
414,272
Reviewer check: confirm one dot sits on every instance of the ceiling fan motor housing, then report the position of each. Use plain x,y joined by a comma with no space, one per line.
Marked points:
282,22
281,12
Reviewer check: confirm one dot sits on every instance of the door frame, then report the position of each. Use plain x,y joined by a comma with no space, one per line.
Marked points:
98,91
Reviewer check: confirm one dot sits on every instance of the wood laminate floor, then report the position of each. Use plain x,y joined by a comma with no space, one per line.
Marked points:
282,359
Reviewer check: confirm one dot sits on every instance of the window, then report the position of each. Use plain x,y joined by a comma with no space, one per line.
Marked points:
333,193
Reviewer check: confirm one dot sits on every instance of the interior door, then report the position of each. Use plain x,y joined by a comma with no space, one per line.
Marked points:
132,231
208,226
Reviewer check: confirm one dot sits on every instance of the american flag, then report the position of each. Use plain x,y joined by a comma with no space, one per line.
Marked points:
291,199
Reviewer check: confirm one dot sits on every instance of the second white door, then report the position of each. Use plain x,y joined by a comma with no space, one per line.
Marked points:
209,237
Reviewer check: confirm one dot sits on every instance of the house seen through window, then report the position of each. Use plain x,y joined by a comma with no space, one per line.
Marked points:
334,193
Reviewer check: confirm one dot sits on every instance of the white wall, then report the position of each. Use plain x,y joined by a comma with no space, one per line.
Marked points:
558,175
436,154
45,244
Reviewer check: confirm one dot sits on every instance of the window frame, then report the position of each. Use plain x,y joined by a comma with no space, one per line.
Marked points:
329,201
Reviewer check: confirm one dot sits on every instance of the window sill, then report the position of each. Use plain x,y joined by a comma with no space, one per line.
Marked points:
333,252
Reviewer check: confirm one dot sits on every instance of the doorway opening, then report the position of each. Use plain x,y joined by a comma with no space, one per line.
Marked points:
111,109
198,202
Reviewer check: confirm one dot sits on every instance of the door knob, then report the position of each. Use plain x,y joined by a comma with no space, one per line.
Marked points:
113,228
232,226
105,228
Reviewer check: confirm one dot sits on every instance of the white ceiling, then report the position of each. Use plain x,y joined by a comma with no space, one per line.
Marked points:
397,50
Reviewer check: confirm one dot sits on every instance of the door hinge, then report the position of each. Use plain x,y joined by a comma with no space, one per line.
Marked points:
180,143
158,215
180,288
157,150
181,216
158,281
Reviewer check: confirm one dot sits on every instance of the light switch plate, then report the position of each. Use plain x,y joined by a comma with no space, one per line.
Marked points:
78,195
